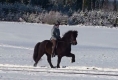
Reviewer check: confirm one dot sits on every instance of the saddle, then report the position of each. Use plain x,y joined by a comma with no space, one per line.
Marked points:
57,41
54,50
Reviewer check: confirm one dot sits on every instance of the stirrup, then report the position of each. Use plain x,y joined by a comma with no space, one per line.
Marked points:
53,54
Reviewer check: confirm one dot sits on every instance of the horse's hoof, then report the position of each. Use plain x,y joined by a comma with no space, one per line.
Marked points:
35,65
73,61
53,55
53,67
58,66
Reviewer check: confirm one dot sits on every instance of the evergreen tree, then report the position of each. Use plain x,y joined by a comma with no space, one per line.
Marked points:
24,1
2,0
42,3
78,4
12,1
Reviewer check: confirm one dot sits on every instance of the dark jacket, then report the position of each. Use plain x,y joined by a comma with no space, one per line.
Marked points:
55,33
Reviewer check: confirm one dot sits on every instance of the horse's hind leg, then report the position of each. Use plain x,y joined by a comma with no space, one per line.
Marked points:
49,60
73,57
38,58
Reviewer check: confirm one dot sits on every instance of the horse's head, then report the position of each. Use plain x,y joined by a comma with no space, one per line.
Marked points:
73,37
70,37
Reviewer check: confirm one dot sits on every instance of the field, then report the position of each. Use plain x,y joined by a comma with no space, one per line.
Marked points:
96,53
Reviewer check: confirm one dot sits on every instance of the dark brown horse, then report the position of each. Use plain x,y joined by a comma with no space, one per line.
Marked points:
63,48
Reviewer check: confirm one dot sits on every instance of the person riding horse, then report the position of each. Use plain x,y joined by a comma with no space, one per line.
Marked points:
63,49
55,35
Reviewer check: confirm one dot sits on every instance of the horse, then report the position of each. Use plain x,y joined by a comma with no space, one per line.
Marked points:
63,48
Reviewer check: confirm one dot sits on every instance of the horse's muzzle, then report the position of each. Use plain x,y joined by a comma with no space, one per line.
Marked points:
74,42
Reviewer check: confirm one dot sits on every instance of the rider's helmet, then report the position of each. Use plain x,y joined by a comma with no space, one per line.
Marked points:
57,22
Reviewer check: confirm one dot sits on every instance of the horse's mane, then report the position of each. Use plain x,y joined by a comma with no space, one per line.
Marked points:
74,32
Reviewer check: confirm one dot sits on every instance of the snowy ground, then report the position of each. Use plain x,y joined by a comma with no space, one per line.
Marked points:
96,53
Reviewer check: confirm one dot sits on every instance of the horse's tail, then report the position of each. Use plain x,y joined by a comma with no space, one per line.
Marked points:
35,55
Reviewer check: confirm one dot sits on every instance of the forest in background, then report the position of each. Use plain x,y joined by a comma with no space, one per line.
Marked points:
72,12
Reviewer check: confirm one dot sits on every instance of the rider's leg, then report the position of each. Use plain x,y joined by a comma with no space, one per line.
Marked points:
53,47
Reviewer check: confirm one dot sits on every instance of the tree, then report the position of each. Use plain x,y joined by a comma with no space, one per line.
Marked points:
2,0
105,4
83,5
42,3
78,4
12,1
115,5
102,3
98,4
88,4
25,1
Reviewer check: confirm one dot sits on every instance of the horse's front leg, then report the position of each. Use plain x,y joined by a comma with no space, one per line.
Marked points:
58,61
71,55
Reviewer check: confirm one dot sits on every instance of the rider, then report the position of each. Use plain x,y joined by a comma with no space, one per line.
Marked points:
55,35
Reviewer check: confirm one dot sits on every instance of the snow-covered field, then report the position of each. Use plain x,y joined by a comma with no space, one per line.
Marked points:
96,53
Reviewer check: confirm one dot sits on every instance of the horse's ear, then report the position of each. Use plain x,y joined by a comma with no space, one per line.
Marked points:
75,32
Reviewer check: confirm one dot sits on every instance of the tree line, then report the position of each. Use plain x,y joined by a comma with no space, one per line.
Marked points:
69,4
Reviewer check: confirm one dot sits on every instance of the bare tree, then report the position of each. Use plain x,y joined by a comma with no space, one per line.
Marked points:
102,3
97,4
115,5
83,5
106,4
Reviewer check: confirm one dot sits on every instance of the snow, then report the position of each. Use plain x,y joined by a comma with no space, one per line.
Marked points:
96,53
